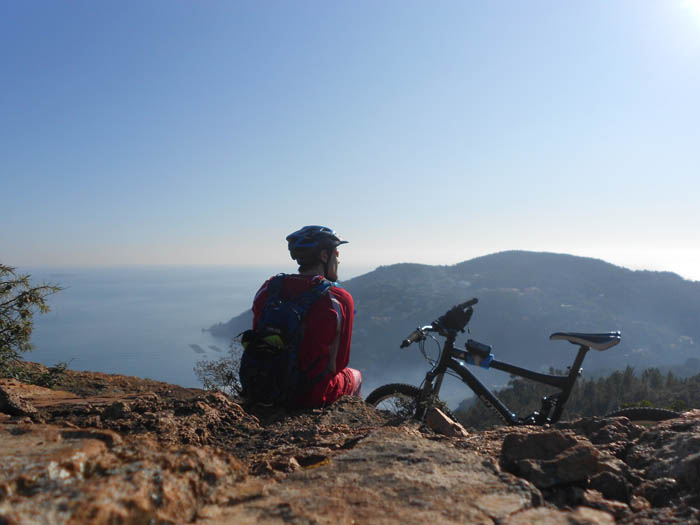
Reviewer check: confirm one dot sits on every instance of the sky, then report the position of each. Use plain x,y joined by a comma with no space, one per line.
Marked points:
189,133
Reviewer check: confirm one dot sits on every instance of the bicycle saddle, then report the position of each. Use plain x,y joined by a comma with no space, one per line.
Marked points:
596,341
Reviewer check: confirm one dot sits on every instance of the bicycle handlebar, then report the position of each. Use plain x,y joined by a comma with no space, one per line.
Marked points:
457,315
417,335
470,302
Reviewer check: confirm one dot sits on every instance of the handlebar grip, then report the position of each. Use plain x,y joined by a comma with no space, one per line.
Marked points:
470,302
416,335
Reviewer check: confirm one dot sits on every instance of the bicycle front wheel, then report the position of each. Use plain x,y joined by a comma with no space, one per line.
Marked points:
644,415
398,399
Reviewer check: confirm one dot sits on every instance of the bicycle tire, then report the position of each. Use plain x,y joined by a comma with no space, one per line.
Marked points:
400,399
645,414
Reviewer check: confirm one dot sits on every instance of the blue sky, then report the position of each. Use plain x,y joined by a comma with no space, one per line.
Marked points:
204,132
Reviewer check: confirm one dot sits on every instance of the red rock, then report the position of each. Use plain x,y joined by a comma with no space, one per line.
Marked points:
441,423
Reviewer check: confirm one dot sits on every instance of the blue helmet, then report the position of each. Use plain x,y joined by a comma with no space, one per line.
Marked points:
305,245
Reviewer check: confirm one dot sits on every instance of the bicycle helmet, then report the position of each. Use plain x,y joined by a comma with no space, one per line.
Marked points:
305,245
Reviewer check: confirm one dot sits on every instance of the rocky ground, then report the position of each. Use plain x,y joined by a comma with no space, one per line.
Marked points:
110,449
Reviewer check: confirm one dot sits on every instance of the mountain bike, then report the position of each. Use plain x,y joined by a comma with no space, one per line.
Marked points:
410,401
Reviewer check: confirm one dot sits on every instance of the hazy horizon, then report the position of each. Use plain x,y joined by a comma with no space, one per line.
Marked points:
203,133
149,321
346,272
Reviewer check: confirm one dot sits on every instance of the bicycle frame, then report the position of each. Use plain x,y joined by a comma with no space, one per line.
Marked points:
454,321
552,405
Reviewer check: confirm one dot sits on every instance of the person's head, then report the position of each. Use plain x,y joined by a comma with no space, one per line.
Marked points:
314,248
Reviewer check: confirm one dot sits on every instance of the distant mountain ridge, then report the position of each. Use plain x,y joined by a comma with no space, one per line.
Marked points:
523,298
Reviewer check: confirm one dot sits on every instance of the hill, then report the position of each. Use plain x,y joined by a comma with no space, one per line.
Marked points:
523,298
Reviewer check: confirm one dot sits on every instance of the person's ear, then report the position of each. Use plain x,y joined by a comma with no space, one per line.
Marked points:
324,256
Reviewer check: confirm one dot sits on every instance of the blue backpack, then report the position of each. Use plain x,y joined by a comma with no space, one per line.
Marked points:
270,371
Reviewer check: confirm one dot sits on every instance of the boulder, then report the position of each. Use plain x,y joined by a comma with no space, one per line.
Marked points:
659,491
553,458
14,404
670,449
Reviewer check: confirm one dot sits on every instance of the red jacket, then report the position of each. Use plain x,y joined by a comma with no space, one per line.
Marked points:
325,348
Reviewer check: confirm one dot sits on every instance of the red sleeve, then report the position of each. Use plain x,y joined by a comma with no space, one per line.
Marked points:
259,303
347,311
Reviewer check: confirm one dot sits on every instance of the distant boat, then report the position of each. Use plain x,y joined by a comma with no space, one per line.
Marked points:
198,349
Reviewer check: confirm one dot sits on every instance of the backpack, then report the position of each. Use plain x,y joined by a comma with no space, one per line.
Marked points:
270,371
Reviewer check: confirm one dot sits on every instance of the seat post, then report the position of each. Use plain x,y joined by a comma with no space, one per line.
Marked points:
576,367
573,374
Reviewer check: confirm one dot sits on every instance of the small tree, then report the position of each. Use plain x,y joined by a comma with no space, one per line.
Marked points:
222,374
19,300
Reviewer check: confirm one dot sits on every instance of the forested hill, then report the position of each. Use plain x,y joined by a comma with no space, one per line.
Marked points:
523,298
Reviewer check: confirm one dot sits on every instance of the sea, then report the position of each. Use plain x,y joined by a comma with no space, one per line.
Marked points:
148,322
151,322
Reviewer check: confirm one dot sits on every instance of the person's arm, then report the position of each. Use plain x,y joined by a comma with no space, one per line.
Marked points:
259,303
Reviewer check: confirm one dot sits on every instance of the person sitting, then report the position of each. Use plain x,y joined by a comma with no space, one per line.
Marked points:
324,349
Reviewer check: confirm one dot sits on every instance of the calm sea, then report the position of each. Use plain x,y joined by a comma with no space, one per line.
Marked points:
143,321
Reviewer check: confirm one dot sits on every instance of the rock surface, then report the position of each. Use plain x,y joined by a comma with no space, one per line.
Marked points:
136,451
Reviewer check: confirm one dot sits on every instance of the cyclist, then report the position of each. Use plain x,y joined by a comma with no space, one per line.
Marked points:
324,351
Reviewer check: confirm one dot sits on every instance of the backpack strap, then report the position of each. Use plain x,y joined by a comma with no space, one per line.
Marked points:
301,303
274,288
313,294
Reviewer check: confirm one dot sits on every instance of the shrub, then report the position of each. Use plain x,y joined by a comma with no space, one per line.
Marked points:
19,300
221,374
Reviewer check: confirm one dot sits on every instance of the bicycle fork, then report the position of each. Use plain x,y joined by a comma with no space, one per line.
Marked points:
430,391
